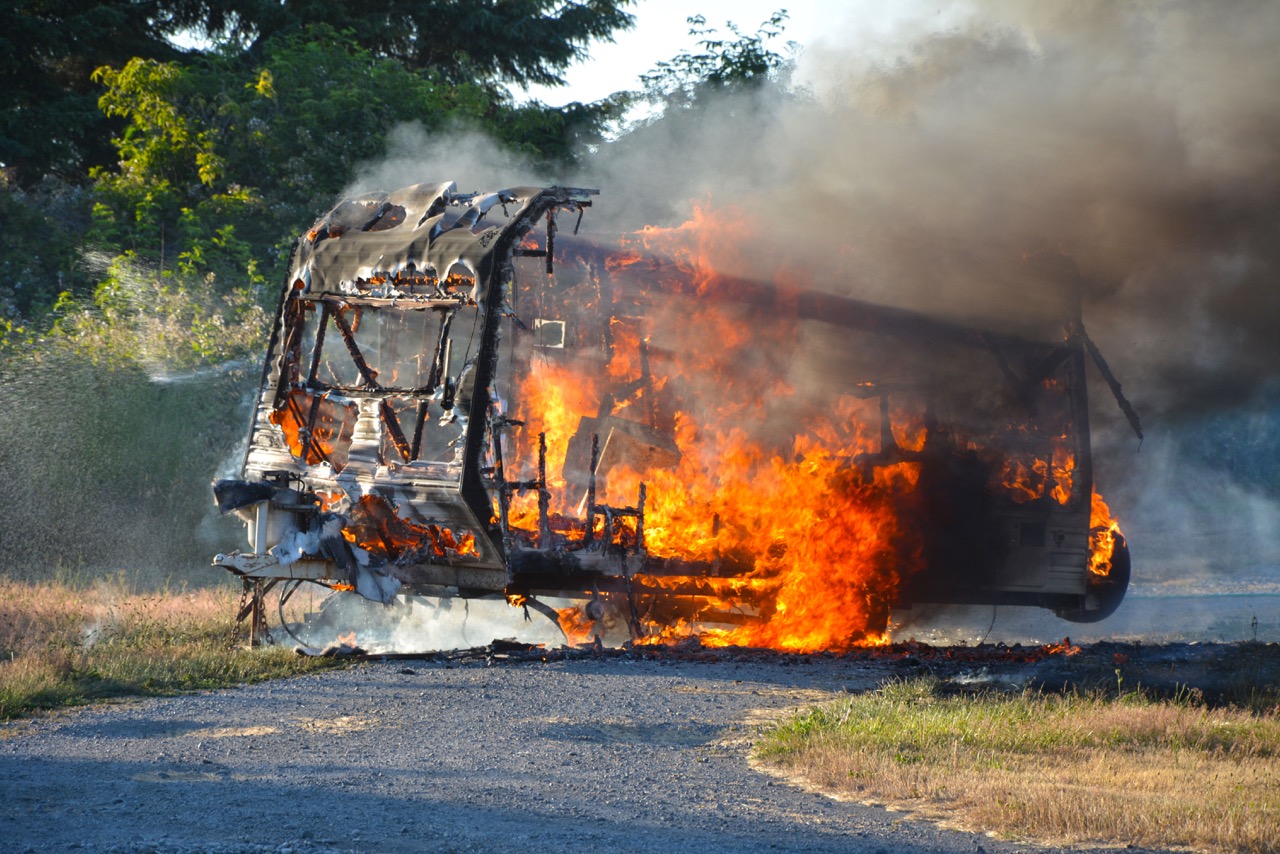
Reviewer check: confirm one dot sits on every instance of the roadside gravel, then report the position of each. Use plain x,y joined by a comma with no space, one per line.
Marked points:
614,754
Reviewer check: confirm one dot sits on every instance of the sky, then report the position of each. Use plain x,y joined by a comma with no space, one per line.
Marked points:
662,31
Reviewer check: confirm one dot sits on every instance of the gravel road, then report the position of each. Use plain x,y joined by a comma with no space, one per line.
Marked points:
610,754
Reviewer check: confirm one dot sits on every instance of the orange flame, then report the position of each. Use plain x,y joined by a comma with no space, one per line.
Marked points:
815,530
577,626
1063,648
1103,533
378,529
820,529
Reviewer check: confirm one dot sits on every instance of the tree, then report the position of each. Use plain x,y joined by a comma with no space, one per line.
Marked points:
50,123
719,66
222,161
219,157
510,41
49,118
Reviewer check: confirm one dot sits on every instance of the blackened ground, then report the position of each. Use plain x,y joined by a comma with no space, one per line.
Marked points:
499,749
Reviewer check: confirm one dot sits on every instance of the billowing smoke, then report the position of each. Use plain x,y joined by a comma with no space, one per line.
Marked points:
411,624
986,165
1137,145
473,162
992,166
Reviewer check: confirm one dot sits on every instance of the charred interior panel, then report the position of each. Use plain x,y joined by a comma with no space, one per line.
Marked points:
457,398
378,404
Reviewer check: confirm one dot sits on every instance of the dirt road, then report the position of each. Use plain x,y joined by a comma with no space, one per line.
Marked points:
592,755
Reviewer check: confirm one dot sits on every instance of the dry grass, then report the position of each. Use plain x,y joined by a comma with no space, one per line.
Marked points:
65,645
1053,768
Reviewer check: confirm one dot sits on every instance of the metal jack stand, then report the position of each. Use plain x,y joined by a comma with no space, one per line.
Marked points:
253,607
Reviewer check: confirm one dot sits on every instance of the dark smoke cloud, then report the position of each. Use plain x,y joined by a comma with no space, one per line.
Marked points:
988,164
1135,146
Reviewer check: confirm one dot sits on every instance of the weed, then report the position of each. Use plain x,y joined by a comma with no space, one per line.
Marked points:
1073,768
63,645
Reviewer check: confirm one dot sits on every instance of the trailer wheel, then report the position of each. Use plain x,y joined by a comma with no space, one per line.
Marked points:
1109,591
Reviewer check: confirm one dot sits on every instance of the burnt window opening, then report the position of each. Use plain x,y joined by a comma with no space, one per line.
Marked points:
361,349
413,429
409,362
317,427
376,526
548,333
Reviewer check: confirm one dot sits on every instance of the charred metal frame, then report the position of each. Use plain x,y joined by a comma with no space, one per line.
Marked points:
379,254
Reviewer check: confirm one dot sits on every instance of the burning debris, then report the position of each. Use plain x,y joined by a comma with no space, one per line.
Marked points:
460,401
1218,673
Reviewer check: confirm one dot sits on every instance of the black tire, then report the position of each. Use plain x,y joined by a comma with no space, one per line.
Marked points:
1109,590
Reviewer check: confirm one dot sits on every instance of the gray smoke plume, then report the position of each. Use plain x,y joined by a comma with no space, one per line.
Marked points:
1135,144
985,165
472,160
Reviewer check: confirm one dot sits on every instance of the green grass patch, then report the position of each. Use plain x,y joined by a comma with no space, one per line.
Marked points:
1074,768
62,645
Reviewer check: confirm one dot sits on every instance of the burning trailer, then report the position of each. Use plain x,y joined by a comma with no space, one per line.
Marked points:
461,400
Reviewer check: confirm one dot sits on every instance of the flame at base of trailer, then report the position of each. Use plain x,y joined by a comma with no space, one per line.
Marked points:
425,624
421,623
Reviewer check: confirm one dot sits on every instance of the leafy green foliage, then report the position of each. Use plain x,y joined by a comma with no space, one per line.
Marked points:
212,151
718,65
207,161
167,325
43,227
513,41
50,124
222,161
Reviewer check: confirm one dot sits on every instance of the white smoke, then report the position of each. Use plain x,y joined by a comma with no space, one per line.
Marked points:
470,159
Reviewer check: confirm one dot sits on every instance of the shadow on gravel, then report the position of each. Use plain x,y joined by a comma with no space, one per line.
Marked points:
675,735
135,806
121,730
